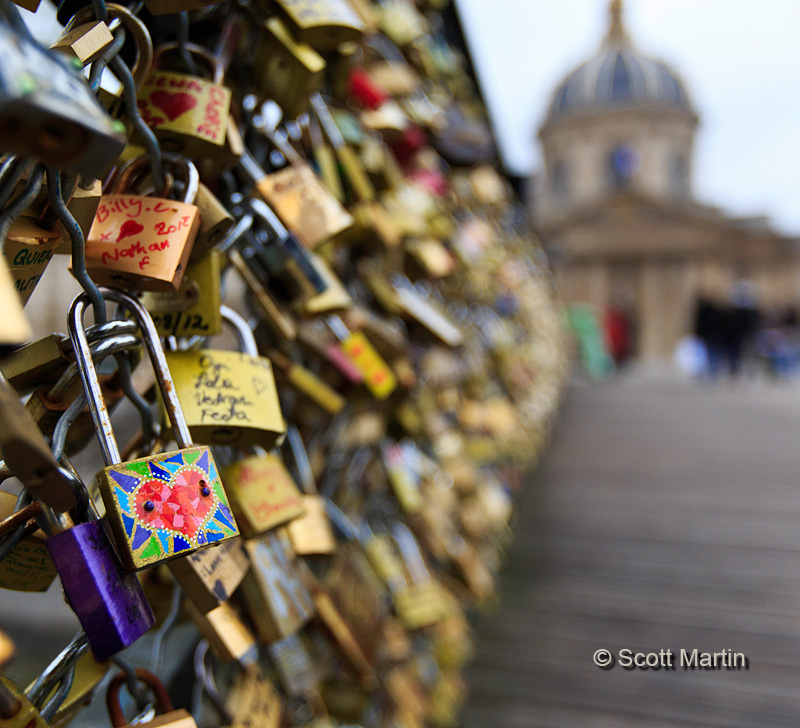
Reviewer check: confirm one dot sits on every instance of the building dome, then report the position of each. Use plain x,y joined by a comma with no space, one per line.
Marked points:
618,76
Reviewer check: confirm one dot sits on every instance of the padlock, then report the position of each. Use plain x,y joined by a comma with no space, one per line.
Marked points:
298,196
215,222
262,493
28,249
108,602
287,71
210,576
37,363
188,114
48,112
324,24
404,482
168,716
16,710
229,397
15,329
253,700
378,377
194,308
422,602
296,668
311,533
28,566
278,600
139,242
164,505
228,636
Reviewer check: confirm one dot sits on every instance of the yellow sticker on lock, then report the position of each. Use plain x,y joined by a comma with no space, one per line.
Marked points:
378,377
28,249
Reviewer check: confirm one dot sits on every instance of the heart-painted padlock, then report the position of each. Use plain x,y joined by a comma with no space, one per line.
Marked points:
188,114
164,505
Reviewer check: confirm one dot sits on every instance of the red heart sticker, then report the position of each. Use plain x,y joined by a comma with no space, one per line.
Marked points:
128,228
173,104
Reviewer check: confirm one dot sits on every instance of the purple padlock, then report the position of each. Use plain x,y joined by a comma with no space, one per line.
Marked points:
110,603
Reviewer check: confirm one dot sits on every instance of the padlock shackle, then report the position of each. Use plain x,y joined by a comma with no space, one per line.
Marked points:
163,701
214,63
247,340
91,381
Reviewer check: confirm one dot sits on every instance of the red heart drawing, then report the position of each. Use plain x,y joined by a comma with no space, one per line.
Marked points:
173,105
178,505
128,228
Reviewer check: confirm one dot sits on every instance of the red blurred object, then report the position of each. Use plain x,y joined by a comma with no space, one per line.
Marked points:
434,180
408,144
366,89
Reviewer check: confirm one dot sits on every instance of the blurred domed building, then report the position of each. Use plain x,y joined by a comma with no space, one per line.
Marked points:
614,204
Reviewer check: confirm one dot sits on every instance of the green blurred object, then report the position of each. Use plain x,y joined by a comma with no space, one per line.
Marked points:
584,323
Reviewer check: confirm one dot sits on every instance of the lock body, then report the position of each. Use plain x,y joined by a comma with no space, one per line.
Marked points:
188,114
109,603
311,533
228,398
262,493
194,308
28,249
142,243
166,505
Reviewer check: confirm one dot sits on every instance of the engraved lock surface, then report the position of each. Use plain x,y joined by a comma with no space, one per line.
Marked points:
164,505
262,492
189,114
143,243
109,603
229,397
253,700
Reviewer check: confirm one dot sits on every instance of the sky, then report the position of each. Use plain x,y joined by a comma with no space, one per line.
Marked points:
739,59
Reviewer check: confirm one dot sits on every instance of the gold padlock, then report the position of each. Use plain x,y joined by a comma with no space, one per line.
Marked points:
28,566
288,71
253,700
86,42
215,221
229,397
210,576
228,636
143,242
194,309
262,492
324,24
278,600
188,114
28,249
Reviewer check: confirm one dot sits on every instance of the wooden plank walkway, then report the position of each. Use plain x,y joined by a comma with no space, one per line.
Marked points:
665,516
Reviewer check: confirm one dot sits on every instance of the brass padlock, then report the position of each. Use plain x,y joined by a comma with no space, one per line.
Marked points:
28,566
324,24
228,636
215,221
140,242
86,42
278,600
188,114
287,71
298,672
28,249
15,328
194,309
229,397
308,383
262,492
18,712
210,576
253,700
